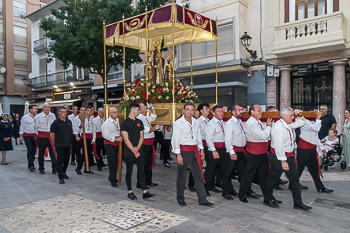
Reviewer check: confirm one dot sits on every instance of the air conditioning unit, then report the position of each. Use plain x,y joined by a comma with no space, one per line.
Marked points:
66,96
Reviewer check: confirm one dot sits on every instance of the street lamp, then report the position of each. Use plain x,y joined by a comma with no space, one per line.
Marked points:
246,40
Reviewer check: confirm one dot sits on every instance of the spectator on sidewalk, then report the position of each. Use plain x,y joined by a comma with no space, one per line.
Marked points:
5,136
327,121
16,125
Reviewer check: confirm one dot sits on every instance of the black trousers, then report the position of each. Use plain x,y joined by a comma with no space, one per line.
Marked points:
31,147
112,158
212,164
147,151
99,150
308,158
255,165
227,186
42,144
81,156
275,174
74,145
166,150
63,154
129,161
189,161
158,138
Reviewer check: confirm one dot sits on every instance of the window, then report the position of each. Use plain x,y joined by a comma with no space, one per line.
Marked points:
2,82
19,86
19,9
1,55
1,29
20,34
20,58
0,7
311,8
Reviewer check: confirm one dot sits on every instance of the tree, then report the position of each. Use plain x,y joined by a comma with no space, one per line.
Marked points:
76,28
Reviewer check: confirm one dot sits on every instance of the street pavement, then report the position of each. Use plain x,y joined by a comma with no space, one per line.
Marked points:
31,202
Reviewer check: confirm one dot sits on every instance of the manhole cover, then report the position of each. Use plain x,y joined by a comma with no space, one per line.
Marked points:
332,203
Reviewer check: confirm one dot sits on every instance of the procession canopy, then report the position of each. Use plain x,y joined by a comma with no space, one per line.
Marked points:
157,24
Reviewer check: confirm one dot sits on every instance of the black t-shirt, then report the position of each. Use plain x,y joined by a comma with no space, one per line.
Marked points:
327,121
133,128
62,130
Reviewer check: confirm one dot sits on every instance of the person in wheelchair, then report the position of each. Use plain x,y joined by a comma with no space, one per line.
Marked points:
330,143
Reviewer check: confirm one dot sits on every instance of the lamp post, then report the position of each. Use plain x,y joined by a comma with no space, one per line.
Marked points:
246,40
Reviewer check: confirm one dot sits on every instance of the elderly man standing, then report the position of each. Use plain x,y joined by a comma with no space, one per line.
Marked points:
42,124
97,138
282,158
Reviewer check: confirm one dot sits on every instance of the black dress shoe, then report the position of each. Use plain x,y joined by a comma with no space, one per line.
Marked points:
282,182
73,163
278,201
89,172
42,172
254,195
325,190
65,176
208,194
302,187
132,196
182,203
243,199
277,187
227,197
302,206
61,181
153,184
234,193
147,195
192,188
271,203
215,190
78,171
114,184
32,169
206,203
99,169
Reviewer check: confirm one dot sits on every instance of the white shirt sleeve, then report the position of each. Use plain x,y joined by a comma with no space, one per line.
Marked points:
209,132
255,129
175,139
229,138
279,144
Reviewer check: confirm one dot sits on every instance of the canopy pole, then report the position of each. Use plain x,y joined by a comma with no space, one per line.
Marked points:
147,50
216,67
191,69
173,75
104,63
124,81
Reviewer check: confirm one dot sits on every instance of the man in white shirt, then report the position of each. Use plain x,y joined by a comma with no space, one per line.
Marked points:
257,163
111,134
307,153
215,138
73,141
282,158
148,149
42,124
28,134
97,138
185,143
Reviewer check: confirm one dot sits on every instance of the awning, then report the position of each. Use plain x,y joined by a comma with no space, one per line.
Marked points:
59,103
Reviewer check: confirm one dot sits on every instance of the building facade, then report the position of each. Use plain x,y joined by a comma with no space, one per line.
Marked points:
309,41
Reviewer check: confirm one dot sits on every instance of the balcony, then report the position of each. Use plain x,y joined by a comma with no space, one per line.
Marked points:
61,78
321,33
41,45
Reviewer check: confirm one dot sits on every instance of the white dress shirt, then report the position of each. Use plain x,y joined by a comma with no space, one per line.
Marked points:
88,125
256,131
214,132
168,135
309,131
110,129
184,133
96,126
282,139
71,117
42,122
27,124
147,124
200,124
234,134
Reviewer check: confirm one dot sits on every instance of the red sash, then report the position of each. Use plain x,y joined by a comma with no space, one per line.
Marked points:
194,148
87,136
42,134
30,135
99,135
204,143
308,146
107,142
257,148
149,142
220,145
290,154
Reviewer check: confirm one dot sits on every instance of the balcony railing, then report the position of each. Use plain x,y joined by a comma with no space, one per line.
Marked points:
58,78
317,33
42,44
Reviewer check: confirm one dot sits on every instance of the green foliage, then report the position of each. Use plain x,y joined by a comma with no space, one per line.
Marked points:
151,4
77,31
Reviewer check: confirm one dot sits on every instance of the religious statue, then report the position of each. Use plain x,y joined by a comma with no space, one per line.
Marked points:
148,66
158,64
168,70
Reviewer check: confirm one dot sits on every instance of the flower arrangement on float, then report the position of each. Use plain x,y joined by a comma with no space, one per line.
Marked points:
157,94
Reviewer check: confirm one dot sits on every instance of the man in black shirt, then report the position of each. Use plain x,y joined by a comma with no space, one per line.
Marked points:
328,121
132,132
60,133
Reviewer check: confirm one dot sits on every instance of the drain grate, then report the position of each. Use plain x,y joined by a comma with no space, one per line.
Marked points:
332,203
